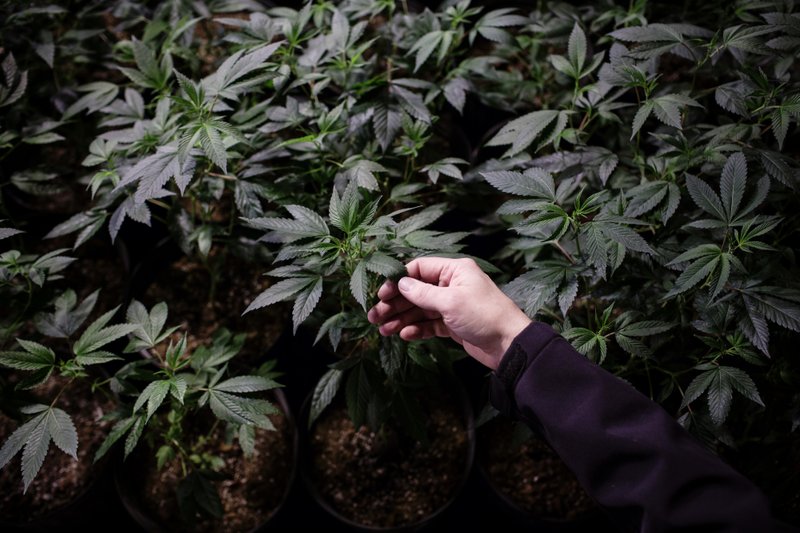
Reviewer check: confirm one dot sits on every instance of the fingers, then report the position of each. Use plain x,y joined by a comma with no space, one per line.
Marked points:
424,330
412,316
386,310
435,270
388,290
425,295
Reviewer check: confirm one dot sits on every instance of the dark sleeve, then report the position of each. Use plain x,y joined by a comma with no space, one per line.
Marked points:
627,452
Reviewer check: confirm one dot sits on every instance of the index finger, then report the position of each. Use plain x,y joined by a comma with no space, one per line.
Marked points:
434,270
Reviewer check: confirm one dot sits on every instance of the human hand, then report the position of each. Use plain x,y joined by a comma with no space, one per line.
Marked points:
450,298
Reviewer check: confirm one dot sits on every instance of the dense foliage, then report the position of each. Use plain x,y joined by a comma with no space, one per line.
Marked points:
634,165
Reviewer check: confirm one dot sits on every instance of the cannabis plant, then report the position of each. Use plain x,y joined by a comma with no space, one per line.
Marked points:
361,127
41,69
25,280
335,265
166,392
651,191
46,423
287,102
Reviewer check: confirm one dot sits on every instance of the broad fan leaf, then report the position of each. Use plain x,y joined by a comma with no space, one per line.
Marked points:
34,437
719,384
98,334
67,316
492,25
520,133
280,291
656,39
153,172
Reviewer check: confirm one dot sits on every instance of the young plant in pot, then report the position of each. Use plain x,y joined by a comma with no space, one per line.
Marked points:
655,224
397,449
215,450
51,393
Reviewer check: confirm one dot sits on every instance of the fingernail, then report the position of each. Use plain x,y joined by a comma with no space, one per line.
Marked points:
405,284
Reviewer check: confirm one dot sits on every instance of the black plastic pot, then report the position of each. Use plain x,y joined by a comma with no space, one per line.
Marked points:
126,475
593,520
426,522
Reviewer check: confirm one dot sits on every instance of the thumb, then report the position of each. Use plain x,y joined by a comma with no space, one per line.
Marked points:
424,295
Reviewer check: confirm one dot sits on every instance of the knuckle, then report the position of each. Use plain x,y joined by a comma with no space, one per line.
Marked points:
467,262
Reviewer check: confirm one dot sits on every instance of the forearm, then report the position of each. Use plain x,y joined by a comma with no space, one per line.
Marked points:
628,453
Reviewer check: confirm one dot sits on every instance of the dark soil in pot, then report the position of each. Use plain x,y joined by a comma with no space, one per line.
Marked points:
529,476
186,286
368,484
252,490
62,480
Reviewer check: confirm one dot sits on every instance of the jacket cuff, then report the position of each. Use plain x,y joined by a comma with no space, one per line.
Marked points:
525,348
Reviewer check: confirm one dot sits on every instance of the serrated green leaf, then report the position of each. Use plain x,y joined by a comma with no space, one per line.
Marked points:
646,328
705,197
697,387
40,358
36,446
754,326
178,387
632,346
384,265
239,410
67,317
153,396
246,384
357,395
119,429
135,434
97,335
305,302
324,392
62,431
720,395
247,440
359,284
96,358
521,132
16,441
391,354
282,290
694,274
640,117
535,182
733,182
37,377
577,48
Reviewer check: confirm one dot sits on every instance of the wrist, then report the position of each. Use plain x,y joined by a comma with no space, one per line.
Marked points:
513,327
